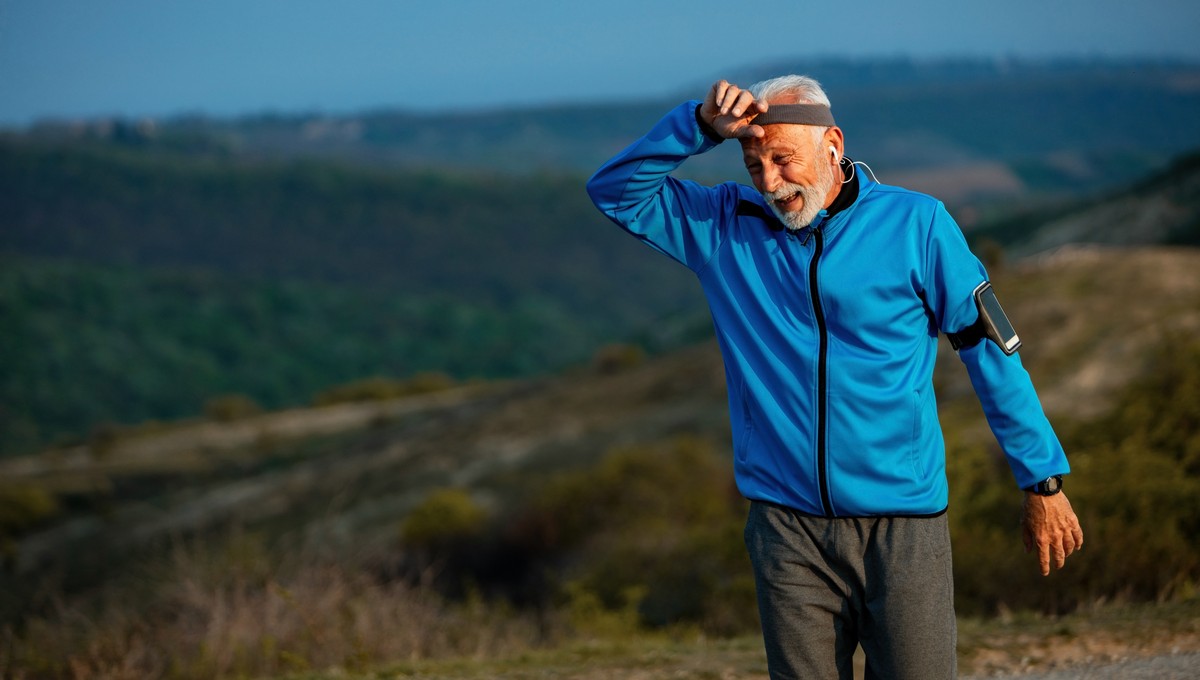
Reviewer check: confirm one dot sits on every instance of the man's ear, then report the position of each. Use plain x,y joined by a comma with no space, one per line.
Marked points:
833,137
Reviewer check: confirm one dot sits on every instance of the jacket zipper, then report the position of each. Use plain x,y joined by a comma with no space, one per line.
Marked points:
822,377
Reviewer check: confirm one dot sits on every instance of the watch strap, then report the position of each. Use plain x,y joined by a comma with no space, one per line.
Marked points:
1047,487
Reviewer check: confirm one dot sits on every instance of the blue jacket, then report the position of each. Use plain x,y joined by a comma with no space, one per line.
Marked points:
829,335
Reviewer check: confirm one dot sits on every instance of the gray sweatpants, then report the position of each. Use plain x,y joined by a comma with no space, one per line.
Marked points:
826,586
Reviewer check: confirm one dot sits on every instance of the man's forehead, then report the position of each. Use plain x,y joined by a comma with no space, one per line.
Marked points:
775,138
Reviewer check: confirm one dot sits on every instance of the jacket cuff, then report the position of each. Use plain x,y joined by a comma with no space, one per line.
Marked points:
707,129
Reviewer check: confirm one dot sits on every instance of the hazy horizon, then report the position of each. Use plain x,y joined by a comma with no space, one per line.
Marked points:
70,59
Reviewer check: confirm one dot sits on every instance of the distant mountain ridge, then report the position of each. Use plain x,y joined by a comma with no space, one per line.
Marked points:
988,126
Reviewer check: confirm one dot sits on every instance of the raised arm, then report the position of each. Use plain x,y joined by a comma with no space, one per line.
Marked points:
681,219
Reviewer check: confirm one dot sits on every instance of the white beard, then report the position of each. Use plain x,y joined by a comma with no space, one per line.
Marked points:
814,199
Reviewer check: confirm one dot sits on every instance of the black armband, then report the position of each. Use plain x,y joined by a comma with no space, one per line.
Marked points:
968,337
992,324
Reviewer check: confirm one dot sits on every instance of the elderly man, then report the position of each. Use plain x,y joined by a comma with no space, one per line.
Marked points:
827,291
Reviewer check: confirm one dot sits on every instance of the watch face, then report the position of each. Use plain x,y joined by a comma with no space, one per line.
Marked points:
1047,487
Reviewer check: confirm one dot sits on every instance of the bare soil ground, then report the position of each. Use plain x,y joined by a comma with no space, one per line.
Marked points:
1092,640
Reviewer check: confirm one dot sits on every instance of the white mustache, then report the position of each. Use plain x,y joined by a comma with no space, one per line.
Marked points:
786,191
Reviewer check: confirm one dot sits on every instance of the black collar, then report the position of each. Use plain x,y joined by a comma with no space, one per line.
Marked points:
849,193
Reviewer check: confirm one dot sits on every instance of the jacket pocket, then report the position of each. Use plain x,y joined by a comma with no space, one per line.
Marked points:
916,450
743,443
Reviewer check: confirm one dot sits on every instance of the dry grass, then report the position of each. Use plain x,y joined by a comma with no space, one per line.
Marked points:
238,612
233,614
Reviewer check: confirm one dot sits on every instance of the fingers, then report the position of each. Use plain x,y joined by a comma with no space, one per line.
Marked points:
1055,553
748,131
737,103
729,109
1052,553
720,91
724,95
719,100
1051,525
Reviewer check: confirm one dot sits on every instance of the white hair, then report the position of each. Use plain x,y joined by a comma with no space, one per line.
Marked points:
807,90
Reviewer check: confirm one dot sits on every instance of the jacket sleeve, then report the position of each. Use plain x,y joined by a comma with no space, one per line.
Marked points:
1002,384
681,219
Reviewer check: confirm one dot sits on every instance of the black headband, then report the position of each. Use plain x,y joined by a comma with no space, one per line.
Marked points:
796,114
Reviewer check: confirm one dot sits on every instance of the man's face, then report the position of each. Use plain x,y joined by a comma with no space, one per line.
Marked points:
787,167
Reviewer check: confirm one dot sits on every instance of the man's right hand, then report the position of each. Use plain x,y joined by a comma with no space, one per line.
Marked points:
728,110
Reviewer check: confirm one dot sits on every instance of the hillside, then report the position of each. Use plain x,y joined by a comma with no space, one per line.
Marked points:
142,285
478,234
1090,318
1163,208
147,268
599,499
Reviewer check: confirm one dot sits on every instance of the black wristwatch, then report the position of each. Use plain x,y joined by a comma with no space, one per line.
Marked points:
1047,487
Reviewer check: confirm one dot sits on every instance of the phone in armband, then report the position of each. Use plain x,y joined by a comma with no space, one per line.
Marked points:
995,322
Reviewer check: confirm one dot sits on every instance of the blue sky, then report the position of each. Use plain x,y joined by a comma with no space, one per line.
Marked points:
75,58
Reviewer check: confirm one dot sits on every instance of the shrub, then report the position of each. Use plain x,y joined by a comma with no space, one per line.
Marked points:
662,520
103,438
22,507
380,388
231,407
446,518
1138,481
617,358
1135,485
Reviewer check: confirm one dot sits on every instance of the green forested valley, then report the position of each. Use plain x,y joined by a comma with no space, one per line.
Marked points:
89,346
138,286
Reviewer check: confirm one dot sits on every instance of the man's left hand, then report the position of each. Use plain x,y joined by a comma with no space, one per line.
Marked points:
1049,524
